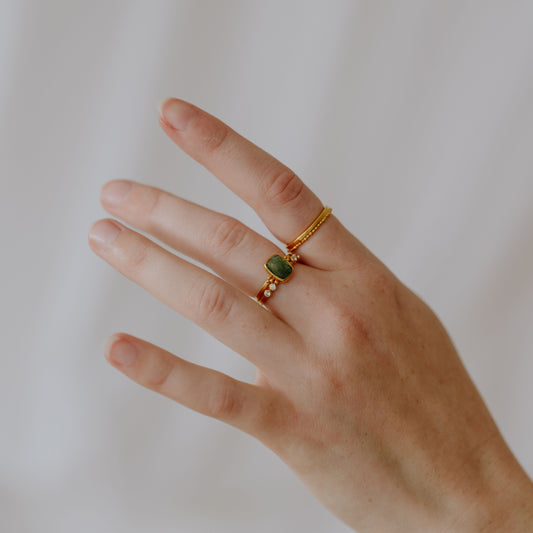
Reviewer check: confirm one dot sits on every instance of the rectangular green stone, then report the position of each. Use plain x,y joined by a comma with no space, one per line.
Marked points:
279,267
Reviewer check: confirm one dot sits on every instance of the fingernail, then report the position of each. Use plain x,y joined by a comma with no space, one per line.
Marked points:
120,352
103,233
114,192
176,113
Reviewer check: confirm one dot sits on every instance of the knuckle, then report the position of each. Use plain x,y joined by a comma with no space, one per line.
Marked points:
223,403
282,186
153,202
345,321
359,321
228,234
213,303
137,257
353,325
214,134
157,375
142,199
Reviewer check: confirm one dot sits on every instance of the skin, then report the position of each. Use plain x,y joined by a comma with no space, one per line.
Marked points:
359,389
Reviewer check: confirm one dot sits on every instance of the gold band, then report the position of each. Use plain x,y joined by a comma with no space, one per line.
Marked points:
281,268
319,220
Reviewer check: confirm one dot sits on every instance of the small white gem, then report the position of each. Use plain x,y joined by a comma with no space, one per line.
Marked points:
267,293
272,286
295,257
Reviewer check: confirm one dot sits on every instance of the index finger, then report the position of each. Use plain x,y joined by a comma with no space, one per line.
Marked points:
280,198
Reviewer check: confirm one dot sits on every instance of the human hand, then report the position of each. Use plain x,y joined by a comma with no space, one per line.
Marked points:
359,388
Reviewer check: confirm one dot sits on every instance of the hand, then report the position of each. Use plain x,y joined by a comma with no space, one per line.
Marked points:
359,388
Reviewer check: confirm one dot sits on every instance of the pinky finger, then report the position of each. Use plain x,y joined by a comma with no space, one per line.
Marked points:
207,391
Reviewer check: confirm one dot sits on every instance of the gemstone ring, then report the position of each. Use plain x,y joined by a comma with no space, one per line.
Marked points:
279,268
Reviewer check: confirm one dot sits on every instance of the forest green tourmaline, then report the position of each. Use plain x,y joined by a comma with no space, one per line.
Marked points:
279,267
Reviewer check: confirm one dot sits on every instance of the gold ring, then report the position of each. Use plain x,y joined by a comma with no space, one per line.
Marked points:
306,233
279,268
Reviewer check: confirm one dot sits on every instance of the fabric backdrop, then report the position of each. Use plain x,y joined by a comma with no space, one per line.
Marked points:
414,120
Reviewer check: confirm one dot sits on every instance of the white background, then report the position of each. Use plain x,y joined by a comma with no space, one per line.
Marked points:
414,120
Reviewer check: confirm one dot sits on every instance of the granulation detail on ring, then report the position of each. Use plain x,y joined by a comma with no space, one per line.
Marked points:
279,268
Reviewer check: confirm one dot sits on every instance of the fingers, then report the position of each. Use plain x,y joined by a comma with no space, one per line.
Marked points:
223,311
278,196
205,390
222,243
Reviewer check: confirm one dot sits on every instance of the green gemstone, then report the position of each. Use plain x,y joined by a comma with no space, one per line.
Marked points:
279,267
